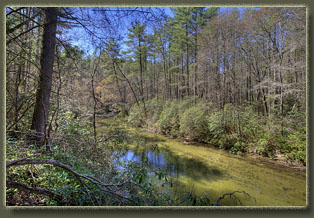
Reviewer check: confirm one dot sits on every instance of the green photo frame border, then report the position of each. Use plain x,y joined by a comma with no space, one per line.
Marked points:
156,211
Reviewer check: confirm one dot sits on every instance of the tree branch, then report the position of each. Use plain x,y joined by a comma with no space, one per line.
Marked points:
98,183
23,187
13,162
230,194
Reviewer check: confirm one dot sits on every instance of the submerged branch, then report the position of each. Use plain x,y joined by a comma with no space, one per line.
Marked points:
231,194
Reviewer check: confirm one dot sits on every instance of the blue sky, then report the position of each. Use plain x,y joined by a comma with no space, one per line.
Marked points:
79,37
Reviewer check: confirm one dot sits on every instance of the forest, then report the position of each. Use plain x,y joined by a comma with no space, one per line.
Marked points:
156,106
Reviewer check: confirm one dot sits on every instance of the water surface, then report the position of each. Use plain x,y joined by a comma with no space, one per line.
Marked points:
211,171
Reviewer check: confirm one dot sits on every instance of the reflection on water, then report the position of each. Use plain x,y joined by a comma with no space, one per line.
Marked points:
215,172
166,161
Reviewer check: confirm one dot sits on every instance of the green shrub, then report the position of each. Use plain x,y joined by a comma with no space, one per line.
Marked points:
236,128
297,146
136,116
264,147
154,109
250,125
239,147
69,124
193,124
186,103
215,128
169,120
232,128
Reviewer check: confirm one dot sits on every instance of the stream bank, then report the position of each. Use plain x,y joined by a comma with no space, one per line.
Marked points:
206,170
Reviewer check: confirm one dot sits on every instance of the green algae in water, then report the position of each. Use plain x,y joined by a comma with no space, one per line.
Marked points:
214,172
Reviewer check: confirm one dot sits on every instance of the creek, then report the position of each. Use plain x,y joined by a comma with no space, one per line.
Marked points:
204,169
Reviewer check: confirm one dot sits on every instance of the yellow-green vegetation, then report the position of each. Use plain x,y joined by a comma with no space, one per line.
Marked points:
99,181
163,171
205,171
78,171
217,172
220,84
238,128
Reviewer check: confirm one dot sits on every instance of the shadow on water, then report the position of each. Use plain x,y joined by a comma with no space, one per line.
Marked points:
180,169
146,140
174,165
214,172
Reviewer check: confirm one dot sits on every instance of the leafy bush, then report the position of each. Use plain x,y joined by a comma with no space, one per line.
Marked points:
249,121
169,120
216,128
136,116
239,129
84,158
69,124
154,109
186,103
265,147
297,146
193,123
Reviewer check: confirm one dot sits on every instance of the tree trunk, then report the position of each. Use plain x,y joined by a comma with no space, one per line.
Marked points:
40,116
187,62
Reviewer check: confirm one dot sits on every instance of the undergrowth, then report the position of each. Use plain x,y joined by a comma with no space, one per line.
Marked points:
126,185
239,129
